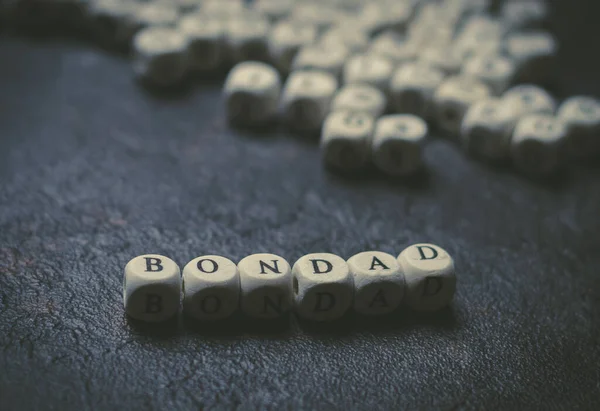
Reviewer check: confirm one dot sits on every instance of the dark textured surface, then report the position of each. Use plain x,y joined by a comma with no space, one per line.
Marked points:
94,171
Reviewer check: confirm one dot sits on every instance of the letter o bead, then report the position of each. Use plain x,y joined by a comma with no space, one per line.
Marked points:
323,287
151,288
211,288
429,275
378,282
266,285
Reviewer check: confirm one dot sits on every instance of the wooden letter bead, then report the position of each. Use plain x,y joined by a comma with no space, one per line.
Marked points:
495,71
323,287
151,288
529,99
206,36
251,93
487,128
371,70
429,275
397,144
327,58
354,40
149,15
345,140
581,116
393,47
246,39
412,88
534,55
452,100
275,10
360,98
211,288
160,56
378,282
284,41
266,283
444,58
536,145
306,100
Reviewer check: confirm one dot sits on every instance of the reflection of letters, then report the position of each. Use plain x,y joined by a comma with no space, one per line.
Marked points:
378,299
210,304
153,303
432,286
275,306
325,302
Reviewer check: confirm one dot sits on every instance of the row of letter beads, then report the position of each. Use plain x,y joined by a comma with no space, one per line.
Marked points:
318,287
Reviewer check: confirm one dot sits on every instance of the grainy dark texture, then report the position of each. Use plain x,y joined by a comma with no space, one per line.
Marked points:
94,171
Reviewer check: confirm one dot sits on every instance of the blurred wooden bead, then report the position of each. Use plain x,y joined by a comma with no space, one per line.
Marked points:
327,58
354,40
519,15
443,58
361,98
453,98
151,288
266,285
275,10
412,88
306,100
535,56
206,36
496,72
393,47
581,117
160,56
429,275
397,144
345,140
370,70
529,99
211,288
251,92
323,287
391,15
149,15
537,143
246,38
284,41
378,282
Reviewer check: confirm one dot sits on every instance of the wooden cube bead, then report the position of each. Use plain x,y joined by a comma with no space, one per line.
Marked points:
534,55
151,288
412,88
394,48
371,70
528,99
345,140
160,56
206,50
321,57
581,117
323,287
361,98
537,143
246,38
429,275
378,282
397,144
352,39
284,41
266,285
452,100
443,58
274,10
251,94
495,71
149,15
211,288
306,100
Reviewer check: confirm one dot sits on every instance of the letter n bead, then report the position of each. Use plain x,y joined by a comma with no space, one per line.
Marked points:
378,282
429,275
211,288
151,288
323,287
266,283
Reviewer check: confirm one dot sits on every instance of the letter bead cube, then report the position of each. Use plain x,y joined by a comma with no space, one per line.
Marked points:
284,41
429,276
397,144
529,99
206,38
246,39
534,54
378,282
322,57
306,100
494,70
323,287
345,140
360,98
412,87
371,70
537,143
211,288
266,285
251,94
151,288
581,116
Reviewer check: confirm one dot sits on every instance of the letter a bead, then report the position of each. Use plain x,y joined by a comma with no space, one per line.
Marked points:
323,287
378,282
151,288
266,283
429,275
211,287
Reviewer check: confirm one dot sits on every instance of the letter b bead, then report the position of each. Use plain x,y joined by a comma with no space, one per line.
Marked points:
151,288
323,287
429,275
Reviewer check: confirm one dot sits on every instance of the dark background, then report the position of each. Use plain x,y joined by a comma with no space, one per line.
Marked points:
94,171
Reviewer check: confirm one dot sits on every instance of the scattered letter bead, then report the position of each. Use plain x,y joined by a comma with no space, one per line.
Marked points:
495,71
323,287
284,41
327,58
529,99
252,92
412,88
205,48
246,39
211,288
306,100
429,275
534,55
361,98
536,145
345,140
151,288
266,283
398,142
368,69
378,282
581,116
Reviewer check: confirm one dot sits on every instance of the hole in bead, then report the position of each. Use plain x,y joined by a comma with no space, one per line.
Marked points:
295,285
